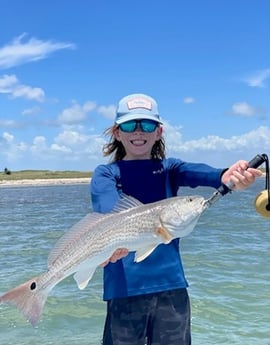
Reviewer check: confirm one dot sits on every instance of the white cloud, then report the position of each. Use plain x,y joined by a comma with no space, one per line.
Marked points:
36,93
255,140
22,50
88,106
258,79
188,100
31,111
76,113
10,149
71,138
69,150
9,84
74,150
8,137
172,135
107,111
9,124
39,145
243,109
60,148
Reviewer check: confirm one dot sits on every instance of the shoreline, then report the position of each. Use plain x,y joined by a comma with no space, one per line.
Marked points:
50,182
44,182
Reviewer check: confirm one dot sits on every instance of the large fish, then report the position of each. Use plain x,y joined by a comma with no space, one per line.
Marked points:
93,240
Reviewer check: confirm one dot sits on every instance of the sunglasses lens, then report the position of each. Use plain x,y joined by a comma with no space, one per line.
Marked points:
147,126
128,126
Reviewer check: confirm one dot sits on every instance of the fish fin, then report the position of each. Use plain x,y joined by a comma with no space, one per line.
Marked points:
74,234
28,298
143,253
83,277
166,236
125,202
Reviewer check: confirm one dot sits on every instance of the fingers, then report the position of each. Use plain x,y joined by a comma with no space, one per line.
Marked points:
117,255
240,175
242,178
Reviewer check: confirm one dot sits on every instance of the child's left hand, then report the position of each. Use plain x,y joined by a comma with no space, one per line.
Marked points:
240,175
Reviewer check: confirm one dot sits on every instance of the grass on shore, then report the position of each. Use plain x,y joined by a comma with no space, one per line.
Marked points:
42,174
46,174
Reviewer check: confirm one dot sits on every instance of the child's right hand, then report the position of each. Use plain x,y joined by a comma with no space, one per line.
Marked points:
117,255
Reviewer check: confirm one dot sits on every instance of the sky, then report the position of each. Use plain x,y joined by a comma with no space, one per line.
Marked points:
64,65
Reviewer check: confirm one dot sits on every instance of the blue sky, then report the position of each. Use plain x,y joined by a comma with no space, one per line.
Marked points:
65,64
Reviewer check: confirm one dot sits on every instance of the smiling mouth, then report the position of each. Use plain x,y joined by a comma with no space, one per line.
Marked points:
138,142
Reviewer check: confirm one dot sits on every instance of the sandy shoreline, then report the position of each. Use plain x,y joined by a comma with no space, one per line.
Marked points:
49,182
44,182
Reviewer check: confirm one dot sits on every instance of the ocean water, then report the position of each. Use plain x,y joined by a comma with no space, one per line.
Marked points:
226,261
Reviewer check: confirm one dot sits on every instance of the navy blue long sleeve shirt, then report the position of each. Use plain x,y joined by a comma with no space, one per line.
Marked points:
147,181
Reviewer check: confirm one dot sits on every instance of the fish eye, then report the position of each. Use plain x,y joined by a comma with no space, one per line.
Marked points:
33,286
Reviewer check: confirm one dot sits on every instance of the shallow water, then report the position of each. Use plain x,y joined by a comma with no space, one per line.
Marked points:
226,261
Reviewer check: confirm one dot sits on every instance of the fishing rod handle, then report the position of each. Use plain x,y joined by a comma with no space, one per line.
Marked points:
255,162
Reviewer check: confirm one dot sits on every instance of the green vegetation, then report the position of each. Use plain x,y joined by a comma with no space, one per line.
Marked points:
8,175
42,174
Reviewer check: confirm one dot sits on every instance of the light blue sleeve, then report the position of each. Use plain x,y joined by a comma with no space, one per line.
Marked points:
104,187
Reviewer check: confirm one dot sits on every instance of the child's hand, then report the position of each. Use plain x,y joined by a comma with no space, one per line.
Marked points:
241,176
117,255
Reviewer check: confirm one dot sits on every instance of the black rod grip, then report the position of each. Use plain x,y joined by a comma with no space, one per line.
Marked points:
255,162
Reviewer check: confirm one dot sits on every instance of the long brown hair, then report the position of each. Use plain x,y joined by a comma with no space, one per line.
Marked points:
115,148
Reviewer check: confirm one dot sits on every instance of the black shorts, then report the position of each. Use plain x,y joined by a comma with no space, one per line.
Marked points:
154,319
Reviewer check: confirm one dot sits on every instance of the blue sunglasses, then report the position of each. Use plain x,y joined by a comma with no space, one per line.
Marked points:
147,126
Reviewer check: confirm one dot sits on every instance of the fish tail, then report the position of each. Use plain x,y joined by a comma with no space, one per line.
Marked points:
28,298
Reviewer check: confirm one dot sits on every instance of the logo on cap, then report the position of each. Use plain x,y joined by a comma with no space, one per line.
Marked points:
139,103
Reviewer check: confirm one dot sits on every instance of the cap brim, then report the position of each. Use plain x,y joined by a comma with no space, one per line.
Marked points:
128,117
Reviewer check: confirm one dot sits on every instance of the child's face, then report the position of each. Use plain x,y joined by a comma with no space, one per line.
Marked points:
138,144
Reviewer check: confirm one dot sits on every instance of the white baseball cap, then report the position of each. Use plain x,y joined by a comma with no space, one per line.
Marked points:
137,106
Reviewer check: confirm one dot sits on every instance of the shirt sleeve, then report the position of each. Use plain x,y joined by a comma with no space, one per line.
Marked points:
194,174
103,189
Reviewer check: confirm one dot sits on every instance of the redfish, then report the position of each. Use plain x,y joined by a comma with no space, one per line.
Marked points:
91,241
